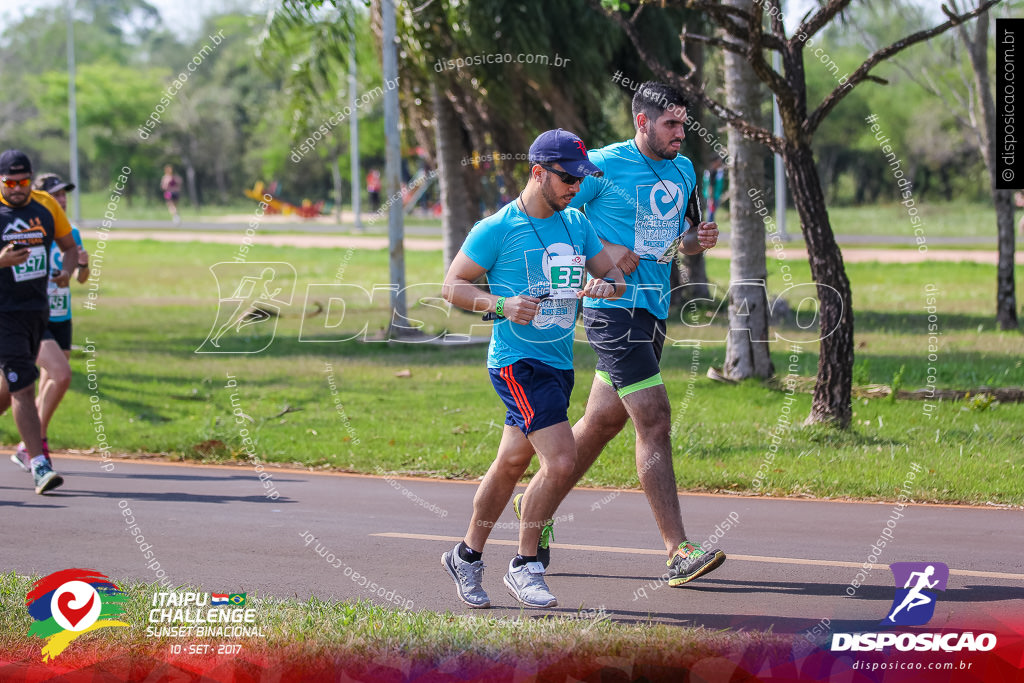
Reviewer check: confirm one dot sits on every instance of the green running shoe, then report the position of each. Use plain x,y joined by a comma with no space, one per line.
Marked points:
547,532
689,562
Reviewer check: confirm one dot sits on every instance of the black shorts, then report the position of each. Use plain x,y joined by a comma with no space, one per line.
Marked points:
60,332
20,335
628,343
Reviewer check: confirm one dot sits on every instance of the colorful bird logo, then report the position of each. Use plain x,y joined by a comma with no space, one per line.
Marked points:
69,603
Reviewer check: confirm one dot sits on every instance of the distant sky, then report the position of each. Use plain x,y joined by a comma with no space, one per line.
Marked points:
186,17
182,17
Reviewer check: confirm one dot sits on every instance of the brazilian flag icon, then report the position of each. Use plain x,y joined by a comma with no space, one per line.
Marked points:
237,599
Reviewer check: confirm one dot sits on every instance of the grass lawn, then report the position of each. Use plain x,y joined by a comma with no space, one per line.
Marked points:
939,219
357,634
420,409
945,219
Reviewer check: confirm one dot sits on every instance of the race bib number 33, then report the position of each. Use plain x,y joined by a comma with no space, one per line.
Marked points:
566,273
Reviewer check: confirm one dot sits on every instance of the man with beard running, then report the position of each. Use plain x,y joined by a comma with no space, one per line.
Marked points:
30,222
645,207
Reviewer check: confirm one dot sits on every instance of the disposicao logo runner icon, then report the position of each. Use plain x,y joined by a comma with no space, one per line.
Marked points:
69,603
914,603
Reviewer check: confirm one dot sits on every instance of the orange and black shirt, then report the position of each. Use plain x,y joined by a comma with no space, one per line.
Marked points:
36,224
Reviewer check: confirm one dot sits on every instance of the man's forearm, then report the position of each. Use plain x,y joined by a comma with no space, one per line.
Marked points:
70,256
468,296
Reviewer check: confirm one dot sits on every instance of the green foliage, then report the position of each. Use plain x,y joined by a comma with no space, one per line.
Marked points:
937,152
897,383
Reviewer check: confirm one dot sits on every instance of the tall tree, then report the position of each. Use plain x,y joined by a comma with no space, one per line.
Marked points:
313,38
970,99
976,42
746,351
746,36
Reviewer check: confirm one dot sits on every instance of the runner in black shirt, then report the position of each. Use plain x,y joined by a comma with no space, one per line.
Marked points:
30,222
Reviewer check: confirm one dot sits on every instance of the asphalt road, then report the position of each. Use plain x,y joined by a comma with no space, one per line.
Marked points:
790,561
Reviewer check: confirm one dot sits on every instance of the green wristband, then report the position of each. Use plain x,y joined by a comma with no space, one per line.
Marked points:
499,306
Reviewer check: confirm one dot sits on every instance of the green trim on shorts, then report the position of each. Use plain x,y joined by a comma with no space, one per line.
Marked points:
604,377
642,384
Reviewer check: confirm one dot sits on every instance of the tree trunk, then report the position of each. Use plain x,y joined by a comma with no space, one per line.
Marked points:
831,403
691,269
1006,289
746,351
1006,286
457,215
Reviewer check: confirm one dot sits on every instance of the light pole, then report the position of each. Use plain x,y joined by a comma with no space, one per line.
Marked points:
393,158
780,167
73,112
353,128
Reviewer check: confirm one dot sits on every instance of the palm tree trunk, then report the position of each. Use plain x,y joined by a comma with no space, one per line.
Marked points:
457,216
746,351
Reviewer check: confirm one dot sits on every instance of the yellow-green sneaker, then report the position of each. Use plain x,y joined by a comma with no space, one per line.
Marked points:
689,562
547,532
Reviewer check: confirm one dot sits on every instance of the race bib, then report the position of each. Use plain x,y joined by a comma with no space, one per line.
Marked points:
566,274
36,266
60,300
670,252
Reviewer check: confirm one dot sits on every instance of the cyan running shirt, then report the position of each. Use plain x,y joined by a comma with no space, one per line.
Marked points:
630,205
520,259
60,297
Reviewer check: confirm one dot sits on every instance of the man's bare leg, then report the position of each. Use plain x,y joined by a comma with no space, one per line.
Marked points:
650,411
557,453
603,419
495,490
26,418
54,381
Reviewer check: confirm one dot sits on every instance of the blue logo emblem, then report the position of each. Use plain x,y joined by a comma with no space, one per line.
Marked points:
916,586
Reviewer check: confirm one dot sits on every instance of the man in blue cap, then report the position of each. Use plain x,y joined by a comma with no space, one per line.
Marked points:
30,222
535,254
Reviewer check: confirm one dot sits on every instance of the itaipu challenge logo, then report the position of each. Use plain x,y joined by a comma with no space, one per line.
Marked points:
70,603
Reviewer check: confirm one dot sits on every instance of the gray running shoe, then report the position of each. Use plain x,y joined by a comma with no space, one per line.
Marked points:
526,584
468,577
21,458
46,479
690,561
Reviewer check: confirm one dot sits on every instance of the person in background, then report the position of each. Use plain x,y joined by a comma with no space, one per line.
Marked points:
713,185
170,184
373,189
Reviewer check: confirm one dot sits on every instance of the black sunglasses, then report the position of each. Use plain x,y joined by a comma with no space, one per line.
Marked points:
566,178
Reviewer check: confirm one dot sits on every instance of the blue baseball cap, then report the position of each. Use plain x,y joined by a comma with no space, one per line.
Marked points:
562,147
